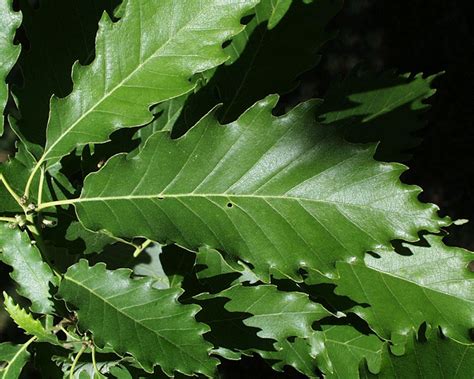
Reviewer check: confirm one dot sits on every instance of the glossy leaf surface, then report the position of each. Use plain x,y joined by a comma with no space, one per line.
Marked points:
133,317
280,193
33,276
144,58
436,358
432,285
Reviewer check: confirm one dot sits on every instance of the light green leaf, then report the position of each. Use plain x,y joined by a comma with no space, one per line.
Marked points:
341,349
433,285
33,276
135,318
143,59
9,23
279,193
26,321
436,358
12,359
152,267
275,10
385,107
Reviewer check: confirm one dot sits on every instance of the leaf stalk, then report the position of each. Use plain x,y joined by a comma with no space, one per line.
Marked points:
57,203
142,247
76,360
8,219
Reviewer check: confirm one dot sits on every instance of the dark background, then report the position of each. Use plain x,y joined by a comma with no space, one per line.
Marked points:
412,36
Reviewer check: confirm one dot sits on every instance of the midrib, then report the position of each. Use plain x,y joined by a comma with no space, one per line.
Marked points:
219,195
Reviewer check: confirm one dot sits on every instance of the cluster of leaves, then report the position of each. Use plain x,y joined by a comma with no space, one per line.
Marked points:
162,212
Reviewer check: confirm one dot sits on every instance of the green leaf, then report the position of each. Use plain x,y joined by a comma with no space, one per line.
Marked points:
267,315
385,107
210,264
9,23
94,242
270,63
227,84
276,313
295,353
33,276
26,321
341,349
276,9
436,358
14,357
69,28
144,58
170,111
133,317
432,285
262,189
147,264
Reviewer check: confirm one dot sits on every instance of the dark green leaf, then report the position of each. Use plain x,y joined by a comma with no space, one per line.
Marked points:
341,349
133,317
433,285
94,242
279,193
9,23
436,358
33,276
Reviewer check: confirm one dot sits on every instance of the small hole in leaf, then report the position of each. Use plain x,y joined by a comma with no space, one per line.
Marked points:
373,254
160,198
230,205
